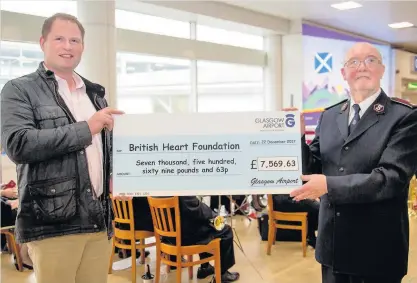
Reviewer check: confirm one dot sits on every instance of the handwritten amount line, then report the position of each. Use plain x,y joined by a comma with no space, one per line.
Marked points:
179,175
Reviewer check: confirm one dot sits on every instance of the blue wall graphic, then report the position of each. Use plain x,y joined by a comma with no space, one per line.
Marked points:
324,52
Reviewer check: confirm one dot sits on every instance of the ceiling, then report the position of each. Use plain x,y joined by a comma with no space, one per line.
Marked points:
370,20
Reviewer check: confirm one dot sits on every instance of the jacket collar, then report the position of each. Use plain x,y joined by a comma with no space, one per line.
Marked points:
369,118
90,86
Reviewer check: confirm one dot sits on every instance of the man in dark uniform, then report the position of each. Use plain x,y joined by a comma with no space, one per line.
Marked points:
360,164
142,214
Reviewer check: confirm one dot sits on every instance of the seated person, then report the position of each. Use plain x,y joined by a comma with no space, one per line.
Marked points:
196,230
225,200
8,213
142,214
284,203
142,219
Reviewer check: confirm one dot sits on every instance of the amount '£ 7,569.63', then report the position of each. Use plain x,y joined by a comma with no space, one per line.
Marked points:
287,163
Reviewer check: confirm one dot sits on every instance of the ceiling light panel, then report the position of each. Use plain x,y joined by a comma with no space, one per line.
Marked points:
346,5
401,25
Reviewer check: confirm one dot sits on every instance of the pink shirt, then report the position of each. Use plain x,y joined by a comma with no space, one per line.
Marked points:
82,109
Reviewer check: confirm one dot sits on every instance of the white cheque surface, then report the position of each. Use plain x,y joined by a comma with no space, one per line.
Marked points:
206,153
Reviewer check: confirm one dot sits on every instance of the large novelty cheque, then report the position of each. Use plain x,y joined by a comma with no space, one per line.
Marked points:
206,154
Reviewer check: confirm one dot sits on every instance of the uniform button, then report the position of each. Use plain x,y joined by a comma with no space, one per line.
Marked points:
88,190
53,191
346,147
338,214
341,169
82,152
95,226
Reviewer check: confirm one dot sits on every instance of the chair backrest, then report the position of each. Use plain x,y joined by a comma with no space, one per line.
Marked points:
270,205
283,216
123,212
166,217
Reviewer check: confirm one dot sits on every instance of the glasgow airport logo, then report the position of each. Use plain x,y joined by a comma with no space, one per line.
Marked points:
289,120
277,123
323,62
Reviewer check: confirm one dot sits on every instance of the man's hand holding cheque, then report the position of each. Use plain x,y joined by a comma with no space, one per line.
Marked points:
315,187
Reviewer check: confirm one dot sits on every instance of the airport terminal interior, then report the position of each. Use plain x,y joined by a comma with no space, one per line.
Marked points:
221,56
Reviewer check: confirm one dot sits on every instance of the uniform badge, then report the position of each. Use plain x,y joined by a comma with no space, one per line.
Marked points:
378,108
344,106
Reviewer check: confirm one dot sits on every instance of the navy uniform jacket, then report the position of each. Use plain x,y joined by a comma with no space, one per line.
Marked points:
195,220
363,220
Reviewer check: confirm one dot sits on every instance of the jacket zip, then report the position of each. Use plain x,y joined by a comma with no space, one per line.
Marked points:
104,150
102,198
56,93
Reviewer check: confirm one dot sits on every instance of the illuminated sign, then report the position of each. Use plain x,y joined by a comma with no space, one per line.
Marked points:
412,86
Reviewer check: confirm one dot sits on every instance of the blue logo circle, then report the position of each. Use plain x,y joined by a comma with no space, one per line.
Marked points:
289,120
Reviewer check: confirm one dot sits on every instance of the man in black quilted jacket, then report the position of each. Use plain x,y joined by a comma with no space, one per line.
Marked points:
56,127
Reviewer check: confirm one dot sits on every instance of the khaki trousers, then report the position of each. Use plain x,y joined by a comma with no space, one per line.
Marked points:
80,258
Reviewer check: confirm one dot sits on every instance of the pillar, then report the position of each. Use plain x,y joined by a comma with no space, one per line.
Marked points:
292,67
99,59
273,73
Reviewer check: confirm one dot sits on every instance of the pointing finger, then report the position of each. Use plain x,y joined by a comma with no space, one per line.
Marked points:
111,111
117,112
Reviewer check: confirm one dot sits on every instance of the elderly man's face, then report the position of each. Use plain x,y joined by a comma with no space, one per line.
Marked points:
363,69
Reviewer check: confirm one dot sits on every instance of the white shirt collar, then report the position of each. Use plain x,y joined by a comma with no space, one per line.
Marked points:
79,83
364,105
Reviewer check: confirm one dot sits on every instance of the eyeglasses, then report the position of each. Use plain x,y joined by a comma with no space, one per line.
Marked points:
369,62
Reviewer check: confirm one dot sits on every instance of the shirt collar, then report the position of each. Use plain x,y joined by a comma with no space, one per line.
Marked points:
364,105
79,83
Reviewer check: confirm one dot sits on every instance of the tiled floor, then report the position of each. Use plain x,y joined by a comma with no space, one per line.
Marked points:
284,265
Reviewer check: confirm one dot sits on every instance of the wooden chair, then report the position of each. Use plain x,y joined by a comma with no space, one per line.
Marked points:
13,247
168,225
275,216
123,214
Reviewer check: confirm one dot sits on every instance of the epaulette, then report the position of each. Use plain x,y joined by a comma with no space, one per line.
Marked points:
403,102
340,102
